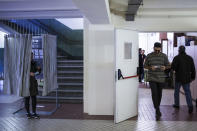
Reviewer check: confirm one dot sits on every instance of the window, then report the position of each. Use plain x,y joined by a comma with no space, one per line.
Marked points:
127,50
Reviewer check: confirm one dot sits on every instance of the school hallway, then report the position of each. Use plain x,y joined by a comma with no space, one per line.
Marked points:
172,119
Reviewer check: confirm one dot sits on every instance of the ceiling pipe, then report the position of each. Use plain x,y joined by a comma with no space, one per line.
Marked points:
133,6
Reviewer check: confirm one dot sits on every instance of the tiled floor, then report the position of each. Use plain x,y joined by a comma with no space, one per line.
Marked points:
70,117
22,124
8,98
146,110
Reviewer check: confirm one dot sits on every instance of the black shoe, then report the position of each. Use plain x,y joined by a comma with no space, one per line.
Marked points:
29,116
158,113
190,110
175,106
36,116
157,118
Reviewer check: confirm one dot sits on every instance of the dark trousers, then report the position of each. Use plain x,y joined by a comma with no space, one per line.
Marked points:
156,90
34,103
141,74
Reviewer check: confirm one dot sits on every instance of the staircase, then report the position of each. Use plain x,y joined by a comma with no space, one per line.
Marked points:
70,82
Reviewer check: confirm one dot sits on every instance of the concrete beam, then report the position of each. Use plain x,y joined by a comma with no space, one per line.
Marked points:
40,14
96,11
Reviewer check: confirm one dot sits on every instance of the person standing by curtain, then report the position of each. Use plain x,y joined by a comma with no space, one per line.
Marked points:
33,90
185,72
156,63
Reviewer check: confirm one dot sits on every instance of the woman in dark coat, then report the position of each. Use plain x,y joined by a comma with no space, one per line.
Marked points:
33,89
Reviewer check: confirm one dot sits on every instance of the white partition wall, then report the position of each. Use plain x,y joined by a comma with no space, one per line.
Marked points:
99,69
190,50
194,89
85,67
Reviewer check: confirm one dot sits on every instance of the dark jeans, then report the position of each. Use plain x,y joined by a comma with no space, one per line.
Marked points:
156,90
34,103
186,88
141,74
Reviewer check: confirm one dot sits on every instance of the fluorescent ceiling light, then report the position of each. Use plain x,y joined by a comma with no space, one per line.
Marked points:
73,23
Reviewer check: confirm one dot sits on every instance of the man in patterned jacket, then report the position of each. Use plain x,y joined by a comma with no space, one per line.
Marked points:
156,63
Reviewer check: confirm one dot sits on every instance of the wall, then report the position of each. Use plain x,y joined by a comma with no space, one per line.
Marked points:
170,37
85,67
99,69
192,51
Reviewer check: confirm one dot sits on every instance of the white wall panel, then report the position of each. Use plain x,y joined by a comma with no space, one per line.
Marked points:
86,63
99,73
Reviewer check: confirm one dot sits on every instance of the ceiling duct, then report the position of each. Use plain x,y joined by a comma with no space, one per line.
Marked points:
133,6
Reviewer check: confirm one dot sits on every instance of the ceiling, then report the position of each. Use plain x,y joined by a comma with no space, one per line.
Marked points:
157,15
95,10
152,14
26,5
38,9
156,8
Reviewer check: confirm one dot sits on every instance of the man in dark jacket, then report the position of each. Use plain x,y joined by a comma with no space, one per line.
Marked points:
139,62
156,63
33,89
185,72
142,56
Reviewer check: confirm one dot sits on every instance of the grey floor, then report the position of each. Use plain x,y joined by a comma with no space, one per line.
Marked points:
22,124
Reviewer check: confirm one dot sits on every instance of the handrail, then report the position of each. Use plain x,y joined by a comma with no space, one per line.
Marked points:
121,76
130,77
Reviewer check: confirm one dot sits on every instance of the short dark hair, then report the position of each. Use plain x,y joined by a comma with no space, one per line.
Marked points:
157,44
181,49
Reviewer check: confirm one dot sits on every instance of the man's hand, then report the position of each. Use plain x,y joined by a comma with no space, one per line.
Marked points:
163,68
32,74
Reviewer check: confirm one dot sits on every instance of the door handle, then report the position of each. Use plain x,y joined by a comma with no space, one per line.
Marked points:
127,77
120,74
